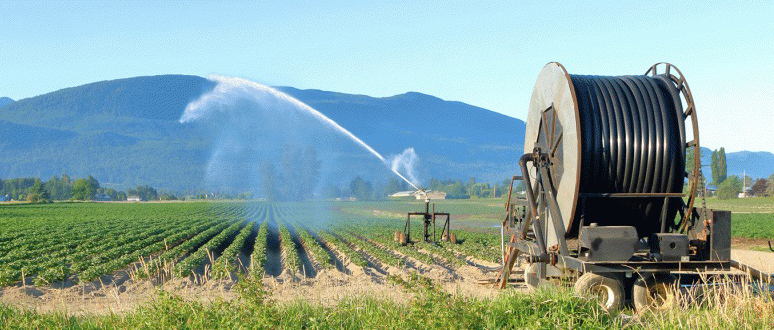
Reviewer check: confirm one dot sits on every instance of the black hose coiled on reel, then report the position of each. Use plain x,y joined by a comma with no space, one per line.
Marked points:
632,141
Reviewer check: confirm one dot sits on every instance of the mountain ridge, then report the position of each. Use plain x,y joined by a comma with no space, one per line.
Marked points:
126,131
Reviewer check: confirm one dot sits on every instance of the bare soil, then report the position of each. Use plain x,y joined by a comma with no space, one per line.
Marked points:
760,260
750,243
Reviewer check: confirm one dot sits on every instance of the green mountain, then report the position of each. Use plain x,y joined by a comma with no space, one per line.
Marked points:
126,132
755,164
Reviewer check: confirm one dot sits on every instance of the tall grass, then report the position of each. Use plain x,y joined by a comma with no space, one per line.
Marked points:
719,307
725,304
429,309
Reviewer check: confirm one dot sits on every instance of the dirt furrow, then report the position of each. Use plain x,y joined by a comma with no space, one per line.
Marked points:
273,249
435,271
335,255
307,268
377,270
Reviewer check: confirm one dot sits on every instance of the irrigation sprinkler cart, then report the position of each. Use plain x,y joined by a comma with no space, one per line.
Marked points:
645,238
428,224
612,261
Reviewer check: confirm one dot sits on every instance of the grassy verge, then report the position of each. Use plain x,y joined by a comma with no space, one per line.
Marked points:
747,205
430,308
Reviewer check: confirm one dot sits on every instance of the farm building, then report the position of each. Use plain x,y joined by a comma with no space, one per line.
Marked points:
431,194
419,195
403,194
133,198
747,192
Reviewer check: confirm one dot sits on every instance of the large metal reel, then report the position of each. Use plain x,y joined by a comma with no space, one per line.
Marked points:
553,126
689,111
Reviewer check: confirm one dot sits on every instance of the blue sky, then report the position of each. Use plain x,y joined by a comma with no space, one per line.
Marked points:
483,53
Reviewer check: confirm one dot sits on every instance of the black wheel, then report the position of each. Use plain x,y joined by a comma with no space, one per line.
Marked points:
608,289
655,292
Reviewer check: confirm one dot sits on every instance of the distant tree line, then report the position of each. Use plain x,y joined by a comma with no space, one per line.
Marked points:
147,193
729,187
455,189
67,188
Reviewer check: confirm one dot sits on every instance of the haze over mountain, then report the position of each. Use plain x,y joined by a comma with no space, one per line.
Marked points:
126,132
755,164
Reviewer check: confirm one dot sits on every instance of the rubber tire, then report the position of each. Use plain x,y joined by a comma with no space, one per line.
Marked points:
654,284
610,285
453,238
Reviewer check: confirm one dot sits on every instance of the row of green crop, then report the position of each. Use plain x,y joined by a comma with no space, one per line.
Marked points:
169,257
290,260
108,238
312,247
342,247
126,254
380,254
194,260
227,262
258,257
308,242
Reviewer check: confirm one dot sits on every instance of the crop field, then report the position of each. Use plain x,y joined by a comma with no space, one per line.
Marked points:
281,263
67,244
743,205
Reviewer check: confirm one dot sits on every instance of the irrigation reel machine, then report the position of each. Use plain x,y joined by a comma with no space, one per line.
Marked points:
610,203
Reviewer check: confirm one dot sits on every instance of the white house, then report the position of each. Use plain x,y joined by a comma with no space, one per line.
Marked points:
747,192
431,195
403,194
133,198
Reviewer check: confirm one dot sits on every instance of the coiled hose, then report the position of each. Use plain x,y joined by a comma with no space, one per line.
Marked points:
632,141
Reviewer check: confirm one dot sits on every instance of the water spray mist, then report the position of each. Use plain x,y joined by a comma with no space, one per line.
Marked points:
228,90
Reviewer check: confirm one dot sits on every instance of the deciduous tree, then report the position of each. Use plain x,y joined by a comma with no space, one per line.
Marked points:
759,187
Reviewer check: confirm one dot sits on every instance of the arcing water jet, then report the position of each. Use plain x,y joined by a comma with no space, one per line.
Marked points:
229,90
